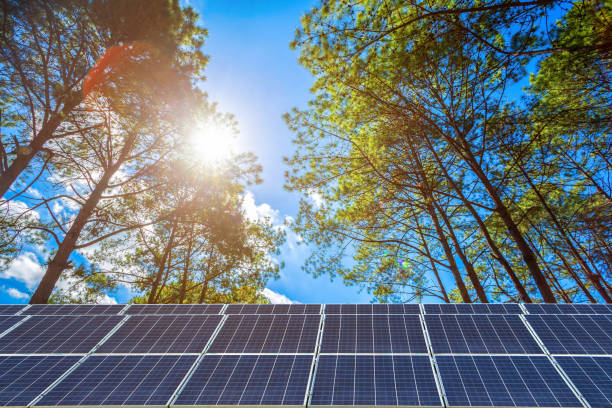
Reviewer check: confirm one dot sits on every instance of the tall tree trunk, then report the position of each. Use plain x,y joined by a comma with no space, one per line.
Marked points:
432,263
497,254
22,161
206,273
187,264
480,292
593,277
162,264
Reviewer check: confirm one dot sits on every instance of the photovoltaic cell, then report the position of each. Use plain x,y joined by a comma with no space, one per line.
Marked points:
267,334
480,334
592,376
273,309
373,309
73,309
574,334
57,334
552,308
471,308
10,309
248,380
373,334
174,309
23,378
120,380
505,381
162,334
6,322
375,380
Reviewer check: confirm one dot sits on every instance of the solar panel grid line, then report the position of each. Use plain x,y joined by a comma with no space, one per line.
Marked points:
315,359
58,380
195,364
125,308
14,325
591,375
223,309
523,308
109,334
559,369
432,360
569,382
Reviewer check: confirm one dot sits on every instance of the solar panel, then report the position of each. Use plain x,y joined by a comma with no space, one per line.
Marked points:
273,309
57,334
552,308
373,334
174,309
162,334
505,381
10,309
574,334
251,380
359,380
373,309
73,309
23,378
471,308
592,376
267,334
6,322
480,334
120,380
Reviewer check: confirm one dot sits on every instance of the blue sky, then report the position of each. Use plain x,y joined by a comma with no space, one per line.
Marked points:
255,76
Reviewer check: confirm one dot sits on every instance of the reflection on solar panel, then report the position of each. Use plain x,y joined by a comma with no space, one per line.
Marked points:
120,380
373,334
10,309
248,380
57,334
460,308
568,308
273,309
373,309
267,334
574,334
23,378
6,322
73,309
480,334
506,381
375,380
592,376
162,334
174,309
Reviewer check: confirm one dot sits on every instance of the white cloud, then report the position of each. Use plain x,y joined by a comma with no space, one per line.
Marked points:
255,212
15,293
276,298
24,268
315,198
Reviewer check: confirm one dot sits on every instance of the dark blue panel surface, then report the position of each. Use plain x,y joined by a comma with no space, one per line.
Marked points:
592,376
162,334
6,322
10,309
574,334
375,380
58,334
174,309
582,308
23,378
248,380
507,381
273,309
73,309
461,308
459,333
287,333
389,333
373,309
121,380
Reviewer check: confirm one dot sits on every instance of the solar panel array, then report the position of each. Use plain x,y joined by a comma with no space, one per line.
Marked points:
463,355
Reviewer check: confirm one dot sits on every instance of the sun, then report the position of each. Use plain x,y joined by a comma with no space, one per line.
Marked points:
212,142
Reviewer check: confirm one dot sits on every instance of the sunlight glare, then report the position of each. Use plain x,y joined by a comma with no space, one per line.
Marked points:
213,142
